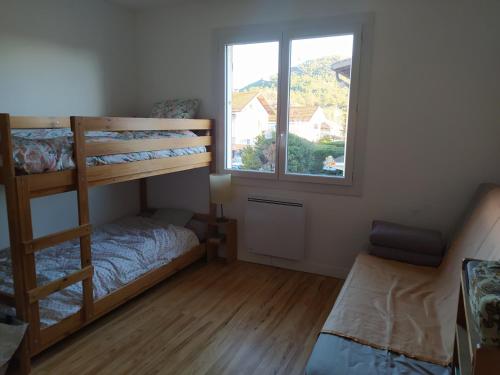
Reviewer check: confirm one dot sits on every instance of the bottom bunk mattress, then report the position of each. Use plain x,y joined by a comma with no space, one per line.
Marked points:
335,355
122,251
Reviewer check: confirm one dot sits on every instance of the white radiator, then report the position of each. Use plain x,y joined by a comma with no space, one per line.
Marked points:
275,227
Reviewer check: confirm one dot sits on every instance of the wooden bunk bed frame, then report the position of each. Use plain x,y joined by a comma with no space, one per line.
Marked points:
19,190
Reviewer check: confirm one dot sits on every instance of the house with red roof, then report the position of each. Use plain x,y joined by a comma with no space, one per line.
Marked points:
310,122
252,115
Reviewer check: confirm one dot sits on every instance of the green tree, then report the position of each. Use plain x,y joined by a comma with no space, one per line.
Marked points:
260,156
250,158
300,154
303,156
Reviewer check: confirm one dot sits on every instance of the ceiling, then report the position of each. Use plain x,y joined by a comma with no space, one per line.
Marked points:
144,3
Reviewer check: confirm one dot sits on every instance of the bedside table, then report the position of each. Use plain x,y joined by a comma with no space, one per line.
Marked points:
223,233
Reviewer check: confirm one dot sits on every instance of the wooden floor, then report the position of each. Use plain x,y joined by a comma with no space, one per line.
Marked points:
209,319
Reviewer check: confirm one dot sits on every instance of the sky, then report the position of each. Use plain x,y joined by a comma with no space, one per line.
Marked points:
252,62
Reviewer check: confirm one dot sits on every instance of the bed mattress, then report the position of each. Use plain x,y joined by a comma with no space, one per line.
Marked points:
50,150
121,252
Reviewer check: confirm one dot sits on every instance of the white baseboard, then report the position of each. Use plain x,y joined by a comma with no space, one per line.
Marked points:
303,266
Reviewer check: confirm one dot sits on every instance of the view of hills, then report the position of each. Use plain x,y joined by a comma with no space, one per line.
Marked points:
313,83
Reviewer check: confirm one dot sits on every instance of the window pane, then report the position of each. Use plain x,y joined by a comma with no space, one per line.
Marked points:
252,96
320,75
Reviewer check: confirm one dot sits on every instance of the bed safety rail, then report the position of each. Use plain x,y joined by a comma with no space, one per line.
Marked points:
30,122
42,184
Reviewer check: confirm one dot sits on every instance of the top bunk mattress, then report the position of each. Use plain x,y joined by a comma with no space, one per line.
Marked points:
122,251
51,150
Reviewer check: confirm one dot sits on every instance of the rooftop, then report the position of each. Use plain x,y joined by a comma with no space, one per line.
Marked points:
242,99
297,113
343,67
302,114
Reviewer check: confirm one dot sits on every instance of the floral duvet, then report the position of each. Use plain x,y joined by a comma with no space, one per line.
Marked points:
50,150
484,296
121,252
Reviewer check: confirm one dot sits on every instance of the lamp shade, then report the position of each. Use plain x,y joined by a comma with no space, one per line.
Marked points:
220,188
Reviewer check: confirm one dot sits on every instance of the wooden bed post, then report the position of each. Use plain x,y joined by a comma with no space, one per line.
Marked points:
213,167
83,213
16,248
143,197
26,237
212,214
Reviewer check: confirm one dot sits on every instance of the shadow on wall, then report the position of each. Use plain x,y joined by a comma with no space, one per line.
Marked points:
163,191
62,58
40,78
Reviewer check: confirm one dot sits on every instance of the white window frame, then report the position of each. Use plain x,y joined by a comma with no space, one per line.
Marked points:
359,25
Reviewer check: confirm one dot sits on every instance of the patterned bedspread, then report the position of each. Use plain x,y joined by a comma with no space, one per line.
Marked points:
121,252
49,150
484,296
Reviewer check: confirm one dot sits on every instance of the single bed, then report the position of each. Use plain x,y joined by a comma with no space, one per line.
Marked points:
405,308
122,251
51,150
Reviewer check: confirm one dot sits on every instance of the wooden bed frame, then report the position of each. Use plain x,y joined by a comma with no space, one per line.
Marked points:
19,190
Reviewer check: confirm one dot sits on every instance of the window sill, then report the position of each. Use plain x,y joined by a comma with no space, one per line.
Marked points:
353,189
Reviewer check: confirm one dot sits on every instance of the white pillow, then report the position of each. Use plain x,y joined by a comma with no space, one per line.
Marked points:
174,216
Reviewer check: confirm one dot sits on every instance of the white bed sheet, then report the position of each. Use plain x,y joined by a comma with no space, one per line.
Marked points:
121,252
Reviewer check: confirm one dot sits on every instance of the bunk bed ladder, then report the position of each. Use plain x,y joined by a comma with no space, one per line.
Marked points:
18,264
24,245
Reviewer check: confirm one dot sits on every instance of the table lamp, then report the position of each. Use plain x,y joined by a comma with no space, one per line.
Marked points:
220,192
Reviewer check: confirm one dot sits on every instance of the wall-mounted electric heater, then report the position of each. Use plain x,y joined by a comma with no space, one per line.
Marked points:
275,227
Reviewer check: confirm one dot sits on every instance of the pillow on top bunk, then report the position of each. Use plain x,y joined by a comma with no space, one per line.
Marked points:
174,216
176,108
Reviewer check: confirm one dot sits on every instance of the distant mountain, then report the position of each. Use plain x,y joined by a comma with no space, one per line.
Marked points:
314,68
317,67
260,84
312,83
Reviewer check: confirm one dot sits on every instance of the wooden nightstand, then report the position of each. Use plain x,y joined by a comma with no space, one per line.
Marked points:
226,234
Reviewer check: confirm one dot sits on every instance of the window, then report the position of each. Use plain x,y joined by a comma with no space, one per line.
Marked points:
290,101
251,106
320,72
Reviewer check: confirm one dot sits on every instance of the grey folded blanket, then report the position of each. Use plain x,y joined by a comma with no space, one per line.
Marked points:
406,244
407,238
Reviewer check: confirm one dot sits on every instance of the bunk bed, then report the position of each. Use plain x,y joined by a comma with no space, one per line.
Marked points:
90,151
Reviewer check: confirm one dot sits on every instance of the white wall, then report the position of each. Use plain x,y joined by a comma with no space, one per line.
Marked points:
68,57
433,120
